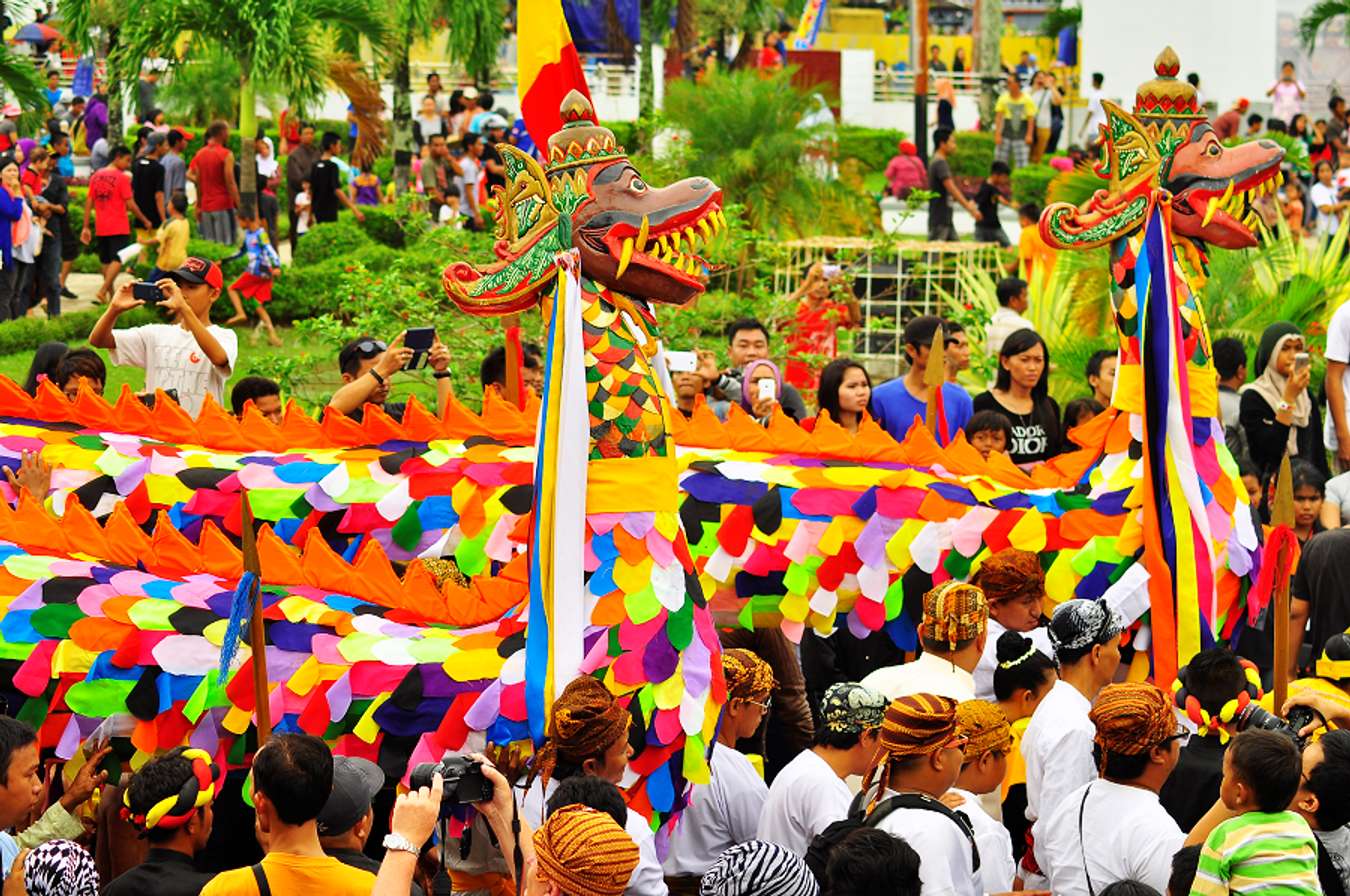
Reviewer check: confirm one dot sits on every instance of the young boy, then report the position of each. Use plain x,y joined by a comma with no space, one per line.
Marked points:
191,354
1266,848
171,238
985,764
1034,257
989,432
987,201
302,208
256,281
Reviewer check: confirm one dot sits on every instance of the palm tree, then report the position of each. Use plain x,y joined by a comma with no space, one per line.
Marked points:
285,42
1319,14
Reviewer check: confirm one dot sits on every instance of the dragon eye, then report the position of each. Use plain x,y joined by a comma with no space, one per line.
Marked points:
1214,149
637,185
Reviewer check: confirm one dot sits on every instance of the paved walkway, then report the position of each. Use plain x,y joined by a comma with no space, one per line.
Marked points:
893,220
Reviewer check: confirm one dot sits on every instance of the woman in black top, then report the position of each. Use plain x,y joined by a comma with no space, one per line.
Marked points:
1276,412
1020,394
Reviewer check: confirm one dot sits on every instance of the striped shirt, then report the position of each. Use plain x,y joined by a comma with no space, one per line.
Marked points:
1272,854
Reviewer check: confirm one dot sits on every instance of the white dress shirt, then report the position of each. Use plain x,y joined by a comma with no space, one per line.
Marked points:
1003,323
1057,748
945,866
984,672
929,674
721,814
997,868
1126,834
806,798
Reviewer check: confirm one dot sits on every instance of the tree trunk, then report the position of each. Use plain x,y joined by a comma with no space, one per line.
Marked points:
990,61
646,80
116,129
248,154
403,131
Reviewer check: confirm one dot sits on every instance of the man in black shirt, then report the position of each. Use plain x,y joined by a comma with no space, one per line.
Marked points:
940,225
1213,677
175,835
346,819
987,227
147,181
1321,591
325,183
298,165
494,132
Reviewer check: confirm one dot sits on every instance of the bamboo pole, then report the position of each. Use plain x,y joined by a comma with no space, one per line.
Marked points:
257,638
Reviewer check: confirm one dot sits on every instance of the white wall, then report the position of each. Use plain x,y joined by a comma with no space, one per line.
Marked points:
1230,43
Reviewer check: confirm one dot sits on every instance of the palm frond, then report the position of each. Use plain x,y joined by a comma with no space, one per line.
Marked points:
21,81
1318,15
1074,187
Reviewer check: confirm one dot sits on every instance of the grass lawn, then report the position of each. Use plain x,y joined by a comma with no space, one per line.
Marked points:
307,372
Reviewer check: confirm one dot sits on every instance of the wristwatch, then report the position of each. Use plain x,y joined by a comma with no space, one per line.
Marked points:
442,375
400,843
1283,406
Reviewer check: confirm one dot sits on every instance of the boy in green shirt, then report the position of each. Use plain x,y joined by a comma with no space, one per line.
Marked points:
1266,848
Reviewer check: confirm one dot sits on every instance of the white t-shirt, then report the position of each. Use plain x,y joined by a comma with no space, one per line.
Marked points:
1338,349
470,169
173,360
302,212
1003,323
929,674
1287,102
1043,103
647,879
984,672
1127,835
997,868
1057,748
1096,114
1323,194
1338,493
721,814
806,798
945,866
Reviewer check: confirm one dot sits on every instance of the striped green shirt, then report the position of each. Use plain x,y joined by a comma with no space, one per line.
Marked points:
1259,853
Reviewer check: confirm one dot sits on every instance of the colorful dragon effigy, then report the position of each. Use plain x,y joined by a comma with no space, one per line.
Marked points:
430,583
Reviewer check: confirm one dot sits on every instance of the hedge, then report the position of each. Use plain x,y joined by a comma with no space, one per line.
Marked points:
972,155
342,238
873,147
27,333
1029,183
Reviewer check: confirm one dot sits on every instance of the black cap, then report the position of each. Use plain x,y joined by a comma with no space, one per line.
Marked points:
355,783
199,270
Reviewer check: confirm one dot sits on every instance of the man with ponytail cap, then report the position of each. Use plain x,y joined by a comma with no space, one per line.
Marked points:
1114,828
169,803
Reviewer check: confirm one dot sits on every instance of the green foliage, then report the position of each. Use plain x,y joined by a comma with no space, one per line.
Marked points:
1059,17
475,32
336,239
1030,183
26,333
1319,14
756,155
625,134
872,147
972,154
205,88
1295,150
1074,187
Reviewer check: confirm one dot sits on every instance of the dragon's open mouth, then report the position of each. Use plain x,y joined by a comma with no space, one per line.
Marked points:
670,245
1230,200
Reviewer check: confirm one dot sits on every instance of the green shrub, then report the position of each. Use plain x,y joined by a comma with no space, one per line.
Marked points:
86,263
384,169
972,154
625,134
305,292
335,239
382,224
873,147
1030,183
25,334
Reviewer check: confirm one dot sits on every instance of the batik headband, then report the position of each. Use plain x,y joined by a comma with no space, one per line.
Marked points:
199,790
1220,722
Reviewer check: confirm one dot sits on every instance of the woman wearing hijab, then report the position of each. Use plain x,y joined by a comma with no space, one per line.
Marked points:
268,178
1276,412
755,373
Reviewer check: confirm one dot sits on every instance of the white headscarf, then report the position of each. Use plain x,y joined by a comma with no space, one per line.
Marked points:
267,165
1270,385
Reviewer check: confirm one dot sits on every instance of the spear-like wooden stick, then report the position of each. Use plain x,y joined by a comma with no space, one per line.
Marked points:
934,375
257,638
1282,514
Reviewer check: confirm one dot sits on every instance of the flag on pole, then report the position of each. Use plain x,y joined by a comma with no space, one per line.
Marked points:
809,26
547,67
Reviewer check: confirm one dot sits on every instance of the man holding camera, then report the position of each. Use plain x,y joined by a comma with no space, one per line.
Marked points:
367,366
345,822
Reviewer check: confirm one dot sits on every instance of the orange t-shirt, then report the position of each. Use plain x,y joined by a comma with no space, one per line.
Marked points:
287,873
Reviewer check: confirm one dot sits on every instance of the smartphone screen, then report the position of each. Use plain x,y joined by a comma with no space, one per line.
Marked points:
1302,361
147,292
682,362
420,340
767,389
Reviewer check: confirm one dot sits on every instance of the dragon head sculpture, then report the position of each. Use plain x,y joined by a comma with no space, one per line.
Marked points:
633,238
1167,149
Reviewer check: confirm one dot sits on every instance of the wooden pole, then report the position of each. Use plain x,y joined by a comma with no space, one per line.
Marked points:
257,638
920,31
514,361
1282,514
934,375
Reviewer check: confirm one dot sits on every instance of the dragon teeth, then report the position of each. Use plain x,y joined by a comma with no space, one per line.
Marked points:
642,235
704,229
691,236
1210,210
625,256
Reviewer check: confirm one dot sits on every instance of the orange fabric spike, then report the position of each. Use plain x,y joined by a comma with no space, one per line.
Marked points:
506,421
378,581
13,400
702,430
423,596
788,437
51,404
279,562
744,434
37,529
83,531
131,415
219,429
92,410
1077,526
419,424
219,555
1094,433
495,596
324,568
297,428
830,439
919,448
8,532
460,422
144,736
1118,437
875,443
471,515
262,433
172,551
380,427
127,542
532,404
937,509
171,422
521,531
340,429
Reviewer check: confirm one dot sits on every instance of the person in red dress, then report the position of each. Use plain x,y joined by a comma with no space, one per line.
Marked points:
825,302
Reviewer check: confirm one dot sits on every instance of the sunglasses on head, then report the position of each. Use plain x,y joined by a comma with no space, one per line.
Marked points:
366,348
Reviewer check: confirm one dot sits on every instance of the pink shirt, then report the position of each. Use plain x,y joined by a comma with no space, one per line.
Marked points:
1287,103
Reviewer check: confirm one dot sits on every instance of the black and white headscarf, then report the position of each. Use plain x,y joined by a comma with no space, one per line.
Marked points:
60,868
759,868
1080,622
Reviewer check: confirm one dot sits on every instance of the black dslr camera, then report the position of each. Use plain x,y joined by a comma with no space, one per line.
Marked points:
1254,716
463,780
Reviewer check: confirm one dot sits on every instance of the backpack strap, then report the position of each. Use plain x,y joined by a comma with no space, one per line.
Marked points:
928,804
261,877
1082,847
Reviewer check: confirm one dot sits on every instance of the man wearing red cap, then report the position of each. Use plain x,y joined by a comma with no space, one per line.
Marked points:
190,355
1230,122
